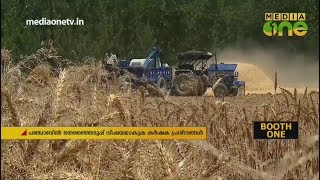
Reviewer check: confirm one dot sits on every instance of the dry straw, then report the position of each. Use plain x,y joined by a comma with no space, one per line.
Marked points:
76,98
275,82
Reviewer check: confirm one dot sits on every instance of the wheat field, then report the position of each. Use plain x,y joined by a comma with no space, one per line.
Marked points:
78,97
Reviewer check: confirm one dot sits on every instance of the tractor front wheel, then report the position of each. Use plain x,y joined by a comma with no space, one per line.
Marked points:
234,91
221,90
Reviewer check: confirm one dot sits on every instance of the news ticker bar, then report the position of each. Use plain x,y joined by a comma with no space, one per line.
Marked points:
103,133
261,130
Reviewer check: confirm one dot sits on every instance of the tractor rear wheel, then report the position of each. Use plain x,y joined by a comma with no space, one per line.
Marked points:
185,85
221,90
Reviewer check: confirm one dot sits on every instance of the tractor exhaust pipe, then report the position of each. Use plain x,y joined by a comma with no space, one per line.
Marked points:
216,61
216,65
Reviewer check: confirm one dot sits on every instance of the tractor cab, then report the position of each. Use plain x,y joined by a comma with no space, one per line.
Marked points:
193,62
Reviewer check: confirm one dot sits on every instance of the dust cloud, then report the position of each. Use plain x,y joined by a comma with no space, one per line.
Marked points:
257,66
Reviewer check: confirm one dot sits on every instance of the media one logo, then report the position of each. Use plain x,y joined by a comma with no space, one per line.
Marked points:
278,23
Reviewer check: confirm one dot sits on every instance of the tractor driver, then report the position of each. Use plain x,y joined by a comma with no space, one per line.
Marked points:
112,60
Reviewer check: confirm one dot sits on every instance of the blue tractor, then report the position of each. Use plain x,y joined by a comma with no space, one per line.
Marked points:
193,75
144,71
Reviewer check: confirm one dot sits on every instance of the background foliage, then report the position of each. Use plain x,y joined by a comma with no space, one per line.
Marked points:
131,28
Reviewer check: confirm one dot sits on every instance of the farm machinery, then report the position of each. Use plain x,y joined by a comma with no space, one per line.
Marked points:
193,77
147,72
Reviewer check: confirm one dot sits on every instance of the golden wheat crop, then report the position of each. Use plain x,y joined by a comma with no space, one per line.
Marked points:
76,98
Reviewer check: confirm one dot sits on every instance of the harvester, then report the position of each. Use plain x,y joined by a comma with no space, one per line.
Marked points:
148,72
